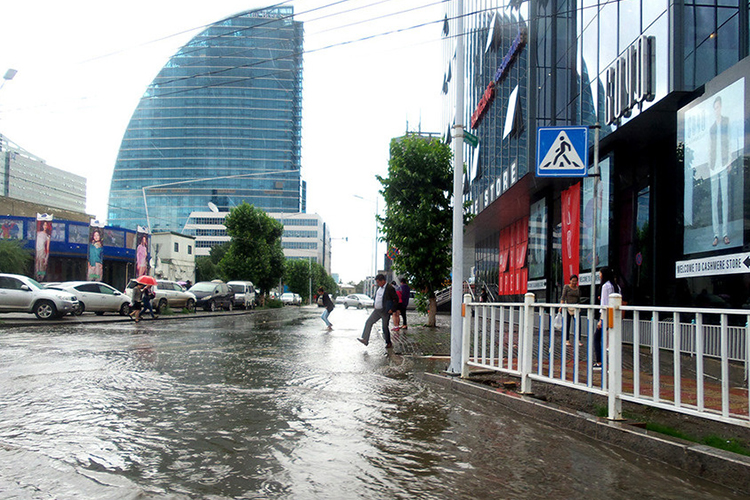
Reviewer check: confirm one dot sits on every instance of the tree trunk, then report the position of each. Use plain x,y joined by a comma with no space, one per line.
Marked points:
432,311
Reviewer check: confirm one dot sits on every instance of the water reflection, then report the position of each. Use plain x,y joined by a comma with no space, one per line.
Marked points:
269,405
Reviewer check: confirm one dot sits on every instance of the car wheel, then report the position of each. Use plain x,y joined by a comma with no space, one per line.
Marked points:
44,309
211,306
79,309
359,306
124,309
190,306
162,306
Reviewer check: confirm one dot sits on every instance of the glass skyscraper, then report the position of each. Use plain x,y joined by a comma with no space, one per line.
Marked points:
220,124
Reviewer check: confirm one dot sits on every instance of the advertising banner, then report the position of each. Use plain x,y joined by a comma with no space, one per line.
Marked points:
96,251
571,231
43,237
141,252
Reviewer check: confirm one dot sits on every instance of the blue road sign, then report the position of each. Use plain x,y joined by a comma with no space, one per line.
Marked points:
562,151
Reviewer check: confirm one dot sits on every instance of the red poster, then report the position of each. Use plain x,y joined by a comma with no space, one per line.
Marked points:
571,230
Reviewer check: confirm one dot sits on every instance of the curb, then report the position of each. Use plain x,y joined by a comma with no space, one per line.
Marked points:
96,320
724,468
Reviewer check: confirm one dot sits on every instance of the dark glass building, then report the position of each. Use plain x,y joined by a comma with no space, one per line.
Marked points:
220,124
667,82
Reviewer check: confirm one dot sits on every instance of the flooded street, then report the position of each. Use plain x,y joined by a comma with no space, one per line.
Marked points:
270,405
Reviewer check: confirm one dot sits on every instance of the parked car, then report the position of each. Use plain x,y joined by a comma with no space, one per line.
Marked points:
211,295
288,299
167,293
358,300
297,299
244,294
174,295
341,299
95,297
22,294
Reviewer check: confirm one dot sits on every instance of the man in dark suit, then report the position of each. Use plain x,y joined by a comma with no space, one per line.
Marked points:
719,166
386,301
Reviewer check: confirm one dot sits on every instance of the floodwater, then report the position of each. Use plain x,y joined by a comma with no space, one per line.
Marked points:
270,405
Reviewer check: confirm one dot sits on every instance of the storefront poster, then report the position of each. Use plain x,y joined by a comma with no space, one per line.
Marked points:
141,252
712,132
96,250
43,237
571,229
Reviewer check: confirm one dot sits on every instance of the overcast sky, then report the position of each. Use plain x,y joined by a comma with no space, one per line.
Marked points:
83,66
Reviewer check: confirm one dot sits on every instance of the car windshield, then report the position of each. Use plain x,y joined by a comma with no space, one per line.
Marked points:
237,288
204,287
35,284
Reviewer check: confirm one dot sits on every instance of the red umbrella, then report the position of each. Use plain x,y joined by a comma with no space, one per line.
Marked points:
146,280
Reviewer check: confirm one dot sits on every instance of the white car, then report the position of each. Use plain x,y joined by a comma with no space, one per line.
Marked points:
174,295
244,293
96,297
22,294
358,300
290,299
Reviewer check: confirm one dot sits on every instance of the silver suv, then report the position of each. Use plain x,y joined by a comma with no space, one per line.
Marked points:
167,293
22,294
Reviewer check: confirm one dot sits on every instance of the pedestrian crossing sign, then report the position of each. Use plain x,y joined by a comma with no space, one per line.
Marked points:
562,151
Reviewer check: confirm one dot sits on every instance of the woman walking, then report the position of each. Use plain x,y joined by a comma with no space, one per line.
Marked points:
571,294
607,279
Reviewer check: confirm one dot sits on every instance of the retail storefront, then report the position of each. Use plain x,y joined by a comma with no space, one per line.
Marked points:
652,74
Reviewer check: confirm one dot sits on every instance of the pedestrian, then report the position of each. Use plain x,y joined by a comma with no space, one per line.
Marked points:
396,309
328,304
607,279
405,296
385,299
148,297
137,302
484,297
571,294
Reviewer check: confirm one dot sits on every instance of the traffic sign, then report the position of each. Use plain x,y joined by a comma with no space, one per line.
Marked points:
562,151
471,139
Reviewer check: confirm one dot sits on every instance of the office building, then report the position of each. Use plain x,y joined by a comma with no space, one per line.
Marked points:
306,236
24,176
220,124
668,207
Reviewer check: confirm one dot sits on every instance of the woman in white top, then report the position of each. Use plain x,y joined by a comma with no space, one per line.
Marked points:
607,278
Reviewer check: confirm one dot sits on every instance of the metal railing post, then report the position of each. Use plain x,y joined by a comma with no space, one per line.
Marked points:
614,358
527,341
466,340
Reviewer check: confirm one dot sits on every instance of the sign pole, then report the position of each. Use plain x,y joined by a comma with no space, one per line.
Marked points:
594,214
458,206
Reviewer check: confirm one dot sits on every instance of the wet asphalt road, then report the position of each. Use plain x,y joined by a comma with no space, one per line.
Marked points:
270,405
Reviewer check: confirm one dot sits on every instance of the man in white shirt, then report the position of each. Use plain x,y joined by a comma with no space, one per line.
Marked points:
386,301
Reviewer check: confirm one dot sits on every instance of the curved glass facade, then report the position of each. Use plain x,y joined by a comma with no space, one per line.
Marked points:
221,124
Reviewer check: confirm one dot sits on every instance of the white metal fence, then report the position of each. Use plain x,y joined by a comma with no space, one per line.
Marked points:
693,361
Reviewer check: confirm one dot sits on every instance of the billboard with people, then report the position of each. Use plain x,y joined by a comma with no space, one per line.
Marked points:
711,142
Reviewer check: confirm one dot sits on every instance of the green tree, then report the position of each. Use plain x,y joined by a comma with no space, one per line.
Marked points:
298,274
14,259
254,252
418,216
207,266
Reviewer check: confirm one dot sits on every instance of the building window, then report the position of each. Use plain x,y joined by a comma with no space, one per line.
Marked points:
190,249
176,247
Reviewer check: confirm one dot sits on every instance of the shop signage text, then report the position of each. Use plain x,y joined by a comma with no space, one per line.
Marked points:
495,189
500,74
484,104
738,263
630,80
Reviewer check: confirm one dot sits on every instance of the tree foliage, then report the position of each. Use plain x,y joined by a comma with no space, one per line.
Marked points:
254,252
297,274
14,259
418,216
207,266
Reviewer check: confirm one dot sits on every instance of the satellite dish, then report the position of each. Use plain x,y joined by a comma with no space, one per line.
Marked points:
212,207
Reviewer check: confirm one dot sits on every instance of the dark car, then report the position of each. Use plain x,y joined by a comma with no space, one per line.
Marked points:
212,295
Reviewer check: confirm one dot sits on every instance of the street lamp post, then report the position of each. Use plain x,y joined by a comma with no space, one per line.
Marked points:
375,244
